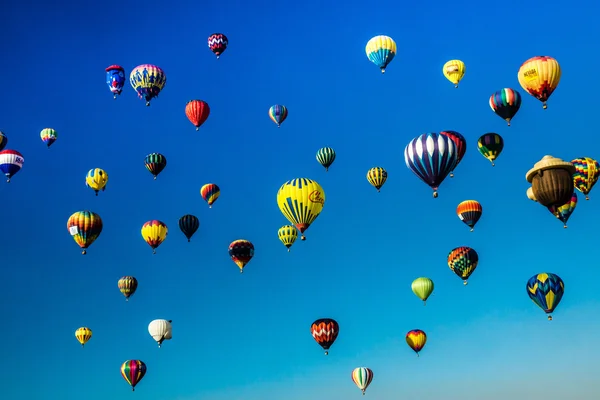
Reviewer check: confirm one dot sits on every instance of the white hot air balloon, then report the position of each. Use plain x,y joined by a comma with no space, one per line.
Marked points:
160,330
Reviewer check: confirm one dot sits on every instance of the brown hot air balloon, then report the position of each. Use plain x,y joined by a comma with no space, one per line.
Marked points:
551,181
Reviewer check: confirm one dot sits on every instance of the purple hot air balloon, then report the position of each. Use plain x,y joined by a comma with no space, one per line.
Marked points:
431,157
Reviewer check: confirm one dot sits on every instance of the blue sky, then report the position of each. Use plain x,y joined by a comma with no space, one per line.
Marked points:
247,336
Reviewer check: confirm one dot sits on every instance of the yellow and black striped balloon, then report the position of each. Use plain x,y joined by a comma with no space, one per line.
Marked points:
301,200
377,177
83,335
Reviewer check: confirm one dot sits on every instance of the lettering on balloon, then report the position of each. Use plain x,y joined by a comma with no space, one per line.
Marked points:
530,74
315,197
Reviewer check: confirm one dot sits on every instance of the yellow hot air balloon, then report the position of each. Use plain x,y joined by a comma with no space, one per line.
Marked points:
154,233
381,50
301,200
539,76
83,334
288,235
96,179
454,71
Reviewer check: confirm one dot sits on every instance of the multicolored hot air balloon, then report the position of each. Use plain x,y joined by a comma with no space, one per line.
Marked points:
127,285
587,172
3,140
155,163
160,330
133,372
546,290
48,136
96,179
241,252
539,76
564,212
115,79
490,146
217,43
288,235
83,334
326,157
431,157
301,200
210,193
154,233
381,50
84,227
325,331
189,224
362,377
377,177
278,114
422,288
505,103
147,80
197,112
463,261
469,212
11,162
461,146
416,340
454,71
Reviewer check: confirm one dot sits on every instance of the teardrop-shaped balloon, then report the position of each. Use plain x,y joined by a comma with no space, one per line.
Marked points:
278,113
84,227
381,50
416,340
539,76
377,177
587,172
546,290
454,71
288,235
326,157
301,200
463,261
490,146
154,233
133,372
325,331
469,212
189,224
127,286
217,43
83,335
197,112
147,80
422,288
241,252
563,213
362,378
506,103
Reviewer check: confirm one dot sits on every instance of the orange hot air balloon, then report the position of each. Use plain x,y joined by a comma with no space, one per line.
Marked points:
197,112
539,76
325,331
469,212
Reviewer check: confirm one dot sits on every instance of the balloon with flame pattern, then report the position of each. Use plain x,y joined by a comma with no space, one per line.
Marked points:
325,331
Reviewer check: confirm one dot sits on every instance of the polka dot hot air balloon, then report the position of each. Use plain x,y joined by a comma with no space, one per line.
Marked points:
278,114
431,157
381,50
539,76
546,290
463,261
325,331
133,372
587,172
197,112
217,43
241,252
147,80
84,227
11,162
154,233
362,378
48,136
506,103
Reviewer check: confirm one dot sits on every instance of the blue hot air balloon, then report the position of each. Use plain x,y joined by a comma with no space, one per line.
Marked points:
546,290
115,79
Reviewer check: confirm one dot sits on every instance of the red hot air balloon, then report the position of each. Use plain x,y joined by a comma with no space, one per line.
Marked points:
197,112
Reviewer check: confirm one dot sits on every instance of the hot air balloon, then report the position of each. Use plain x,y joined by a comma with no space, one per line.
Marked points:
587,171
84,227
301,200
377,177
83,334
463,261
133,371
48,136
128,285
147,80
564,212
189,224
197,112
96,179
461,146
115,79
326,157
288,235
551,181
160,330
11,162
431,157
217,43
155,163
241,252
3,140
278,114
454,71
362,377
154,233
490,146
539,76
469,212
381,50
546,290
422,288
325,331
416,340
210,193
505,103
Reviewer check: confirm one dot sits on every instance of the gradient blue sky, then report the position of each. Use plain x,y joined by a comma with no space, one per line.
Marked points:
247,336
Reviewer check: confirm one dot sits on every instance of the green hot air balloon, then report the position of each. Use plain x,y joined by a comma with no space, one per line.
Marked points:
422,288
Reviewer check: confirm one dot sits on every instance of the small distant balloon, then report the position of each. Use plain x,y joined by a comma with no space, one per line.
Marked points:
563,213
217,43
539,76
422,288
506,103
96,179
381,50
155,163
133,372
288,235
416,340
154,233
189,224
197,112
84,227
490,146
48,136
83,335
127,286
326,157
587,172
115,79
463,261
362,378
241,252
210,193
454,71
3,140
377,177
469,212
546,290
148,81
278,114
325,331
11,162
